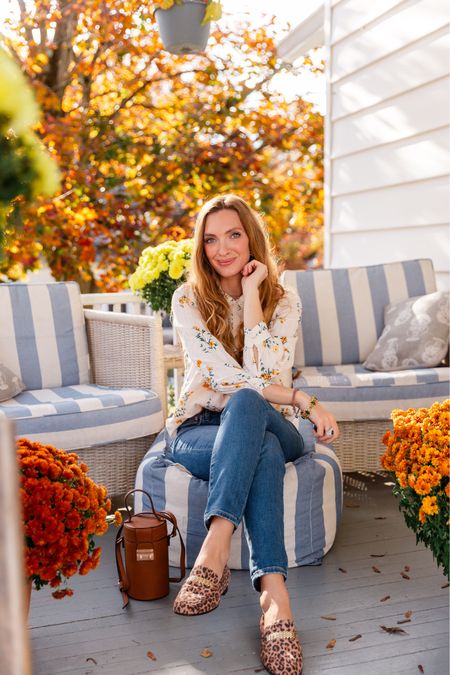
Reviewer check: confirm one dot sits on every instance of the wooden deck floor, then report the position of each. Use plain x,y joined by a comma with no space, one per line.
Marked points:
90,633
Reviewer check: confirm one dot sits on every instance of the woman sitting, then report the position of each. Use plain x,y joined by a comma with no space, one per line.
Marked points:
235,421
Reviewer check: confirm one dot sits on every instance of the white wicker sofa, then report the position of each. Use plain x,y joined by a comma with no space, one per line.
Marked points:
342,319
94,381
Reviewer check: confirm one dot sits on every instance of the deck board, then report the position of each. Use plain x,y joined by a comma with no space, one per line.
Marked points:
66,635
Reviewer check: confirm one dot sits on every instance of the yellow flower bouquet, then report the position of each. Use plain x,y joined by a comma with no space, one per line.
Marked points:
160,271
417,455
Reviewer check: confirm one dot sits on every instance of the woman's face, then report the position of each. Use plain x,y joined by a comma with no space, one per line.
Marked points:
226,243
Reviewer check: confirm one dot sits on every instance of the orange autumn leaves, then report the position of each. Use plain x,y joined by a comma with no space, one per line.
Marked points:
142,138
62,511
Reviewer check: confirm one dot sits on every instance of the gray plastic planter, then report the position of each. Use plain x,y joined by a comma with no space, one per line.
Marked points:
180,27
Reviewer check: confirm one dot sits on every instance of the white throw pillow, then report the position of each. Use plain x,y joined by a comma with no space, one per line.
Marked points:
10,384
415,335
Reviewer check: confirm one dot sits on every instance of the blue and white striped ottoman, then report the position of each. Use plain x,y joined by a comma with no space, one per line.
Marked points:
312,504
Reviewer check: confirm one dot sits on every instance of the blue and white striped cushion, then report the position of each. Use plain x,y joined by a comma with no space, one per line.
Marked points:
84,415
351,392
343,309
312,505
42,334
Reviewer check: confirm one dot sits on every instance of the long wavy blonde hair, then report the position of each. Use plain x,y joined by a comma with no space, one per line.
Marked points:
212,304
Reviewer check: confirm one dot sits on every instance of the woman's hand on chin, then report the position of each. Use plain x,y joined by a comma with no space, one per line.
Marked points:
253,274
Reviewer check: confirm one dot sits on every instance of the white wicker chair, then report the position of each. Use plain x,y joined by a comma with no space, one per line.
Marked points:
61,351
134,345
126,301
343,317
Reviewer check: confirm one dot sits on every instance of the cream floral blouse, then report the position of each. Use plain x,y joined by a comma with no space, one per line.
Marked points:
212,375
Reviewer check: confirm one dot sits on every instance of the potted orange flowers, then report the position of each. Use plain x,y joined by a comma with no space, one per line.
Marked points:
184,25
63,509
417,455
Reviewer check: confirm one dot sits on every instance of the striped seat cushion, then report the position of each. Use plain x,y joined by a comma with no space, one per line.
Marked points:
343,309
42,334
82,416
351,392
312,504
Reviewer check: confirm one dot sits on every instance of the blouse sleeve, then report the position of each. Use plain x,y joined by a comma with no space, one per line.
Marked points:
270,349
219,370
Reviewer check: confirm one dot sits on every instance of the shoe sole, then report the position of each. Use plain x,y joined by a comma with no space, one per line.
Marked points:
271,673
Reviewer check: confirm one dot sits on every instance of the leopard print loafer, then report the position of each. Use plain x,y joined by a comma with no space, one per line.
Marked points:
201,591
281,651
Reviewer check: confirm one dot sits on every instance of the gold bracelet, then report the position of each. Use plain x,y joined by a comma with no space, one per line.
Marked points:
305,414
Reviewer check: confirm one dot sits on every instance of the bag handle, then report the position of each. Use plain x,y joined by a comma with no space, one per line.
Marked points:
171,518
121,571
131,492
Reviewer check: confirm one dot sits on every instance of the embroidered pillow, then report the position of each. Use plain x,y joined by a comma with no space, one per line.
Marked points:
415,334
10,384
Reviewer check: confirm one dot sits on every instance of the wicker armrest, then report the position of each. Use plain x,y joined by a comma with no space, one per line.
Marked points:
126,350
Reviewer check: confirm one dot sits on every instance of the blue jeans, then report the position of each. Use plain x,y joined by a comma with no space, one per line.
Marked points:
242,452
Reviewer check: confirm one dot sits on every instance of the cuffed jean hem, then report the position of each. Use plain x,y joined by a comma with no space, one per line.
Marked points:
256,576
221,514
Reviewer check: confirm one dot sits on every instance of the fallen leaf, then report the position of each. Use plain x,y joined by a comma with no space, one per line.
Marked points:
353,506
89,658
355,637
404,621
404,575
386,597
446,585
331,644
342,570
420,667
328,618
380,517
206,653
407,568
151,656
377,555
394,630
408,614
375,569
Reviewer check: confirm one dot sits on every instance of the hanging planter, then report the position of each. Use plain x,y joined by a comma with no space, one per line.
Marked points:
184,25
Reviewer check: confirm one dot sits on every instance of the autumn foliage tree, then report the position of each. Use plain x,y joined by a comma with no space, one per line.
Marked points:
143,137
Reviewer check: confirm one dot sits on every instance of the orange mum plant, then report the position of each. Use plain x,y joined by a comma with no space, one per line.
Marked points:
418,456
63,509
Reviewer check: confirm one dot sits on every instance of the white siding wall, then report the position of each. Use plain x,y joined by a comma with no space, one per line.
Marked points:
388,132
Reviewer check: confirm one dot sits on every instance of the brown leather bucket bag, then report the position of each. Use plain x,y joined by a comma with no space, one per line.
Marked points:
145,540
